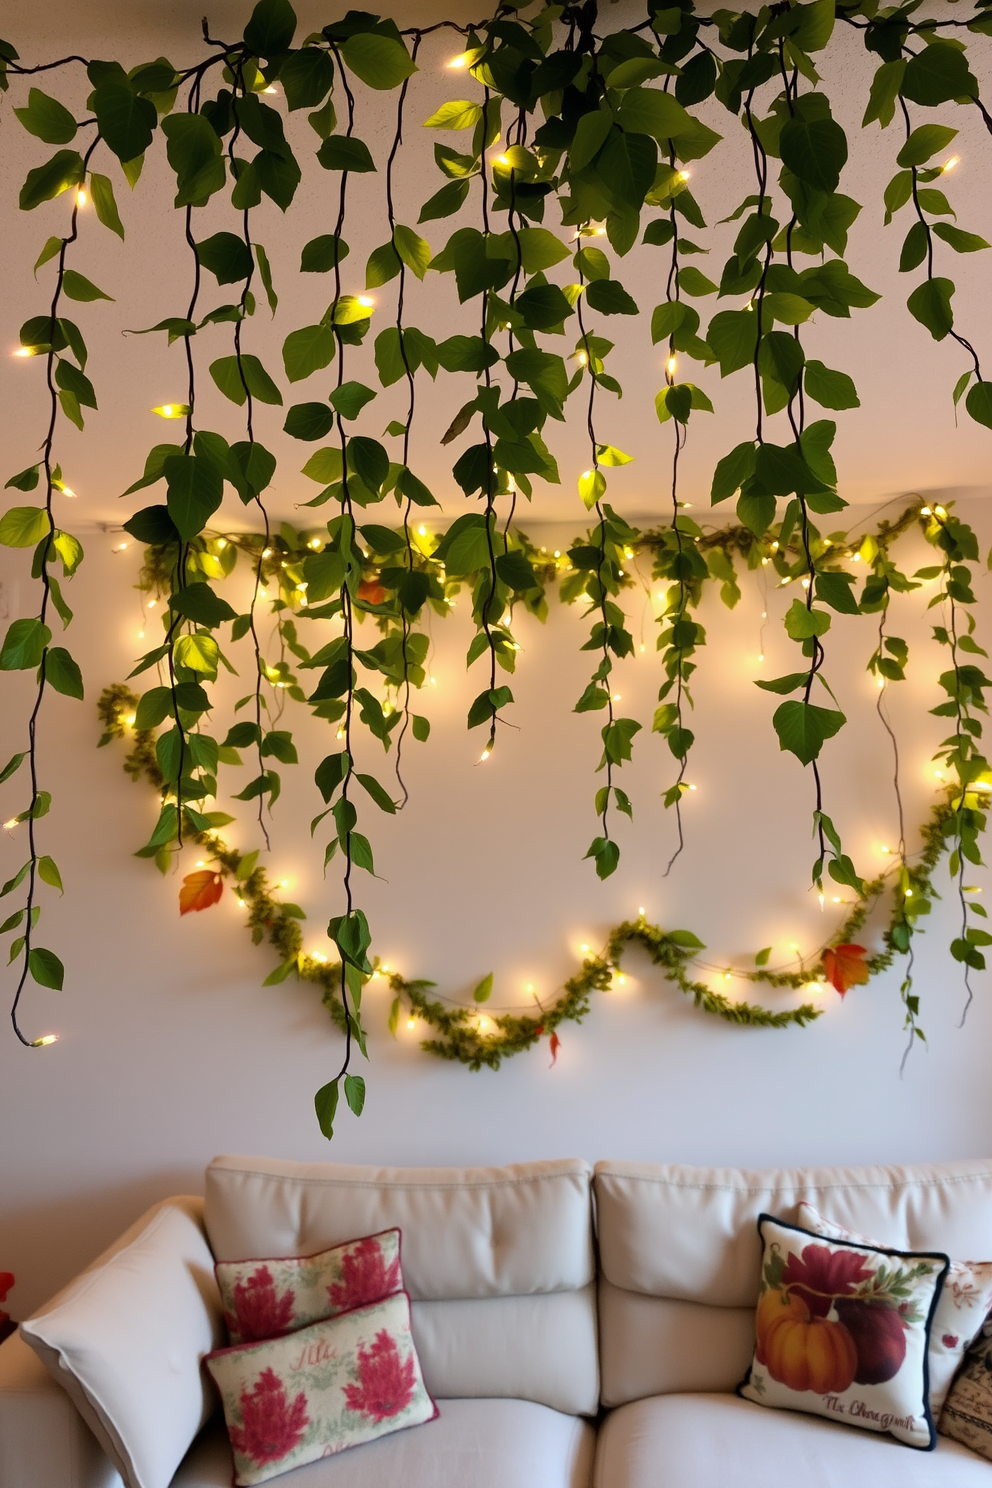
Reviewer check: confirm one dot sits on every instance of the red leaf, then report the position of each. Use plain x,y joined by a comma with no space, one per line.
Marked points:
555,1046
845,967
200,890
6,1282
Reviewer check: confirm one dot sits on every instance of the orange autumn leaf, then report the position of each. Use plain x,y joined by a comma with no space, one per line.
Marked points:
200,890
845,967
555,1042
370,591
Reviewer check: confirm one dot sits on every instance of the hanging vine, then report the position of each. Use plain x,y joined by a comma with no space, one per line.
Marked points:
599,124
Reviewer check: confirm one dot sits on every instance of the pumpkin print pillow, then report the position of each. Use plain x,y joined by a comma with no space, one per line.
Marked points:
962,1308
266,1298
843,1331
336,1384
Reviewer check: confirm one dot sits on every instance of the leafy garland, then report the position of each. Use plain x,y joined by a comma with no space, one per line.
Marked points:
602,125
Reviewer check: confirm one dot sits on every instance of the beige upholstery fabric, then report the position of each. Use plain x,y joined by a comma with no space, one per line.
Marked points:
689,1235
125,1340
533,1348
654,1345
472,1444
44,1442
718,1441
467,1232
498,1261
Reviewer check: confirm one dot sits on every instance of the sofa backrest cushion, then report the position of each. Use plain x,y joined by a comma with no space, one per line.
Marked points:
126,1337
498,1262
671,1235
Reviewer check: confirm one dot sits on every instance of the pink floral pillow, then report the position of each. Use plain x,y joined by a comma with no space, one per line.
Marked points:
962,1307
336,1384
266,1298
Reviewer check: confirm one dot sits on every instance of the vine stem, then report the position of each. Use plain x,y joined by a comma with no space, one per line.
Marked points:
673,294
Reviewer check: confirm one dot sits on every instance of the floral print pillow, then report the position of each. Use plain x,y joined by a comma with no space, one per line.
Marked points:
843,1331
336,1384
267,1298
962,1309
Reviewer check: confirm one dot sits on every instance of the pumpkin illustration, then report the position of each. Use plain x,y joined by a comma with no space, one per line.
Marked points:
773,1306
810,1353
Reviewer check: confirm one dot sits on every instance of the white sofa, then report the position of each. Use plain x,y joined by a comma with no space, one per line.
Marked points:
552,1368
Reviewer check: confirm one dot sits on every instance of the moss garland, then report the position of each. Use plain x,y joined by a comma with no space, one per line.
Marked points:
458,1030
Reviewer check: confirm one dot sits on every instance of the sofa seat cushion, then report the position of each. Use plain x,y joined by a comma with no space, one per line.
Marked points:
482,1443
709,1441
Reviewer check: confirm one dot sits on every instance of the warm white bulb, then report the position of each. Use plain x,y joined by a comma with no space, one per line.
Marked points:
82,198
684,175
44,1041
949,165
366,300
671,365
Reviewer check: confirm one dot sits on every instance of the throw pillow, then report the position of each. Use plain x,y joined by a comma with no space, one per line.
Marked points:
967,1415
347,1380
962,1309
266,1298
843,1331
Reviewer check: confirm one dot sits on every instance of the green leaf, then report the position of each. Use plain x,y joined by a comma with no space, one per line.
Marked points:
383,265
592,487
609,297
695,283
24,645
271,28
591,133
309,420
930,304
195,492
412,249
78,287
12,766
979,403
829,388
937,74
105,203
350,398
345,153
650,111
785,684
801,623
380,61
459,114
368,459
732,471
802,728
306,77
231,379
763,956
63,672
24,526
381,797
325,1103
25,480
47,181
924,142
308,350
421,727
52,249
961,242
46,968
194,152
227,256
126,121
47,119
199,603
484,990
606,855
815,150
280,973
354,1093
835,589
321,254
444,203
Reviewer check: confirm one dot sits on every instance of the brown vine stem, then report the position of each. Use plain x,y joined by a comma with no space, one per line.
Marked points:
672,293
488,600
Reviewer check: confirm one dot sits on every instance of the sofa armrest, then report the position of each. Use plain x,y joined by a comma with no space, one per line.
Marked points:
44,1442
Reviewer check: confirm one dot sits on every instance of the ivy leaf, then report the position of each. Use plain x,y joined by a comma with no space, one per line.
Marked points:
48,873
125,120
227,256
650,111
200,890
194,152
979,403
930,304
937,74
924,142
63,672
24,645
102,191
46,968
306,351
309,421
606,855
380,61
829,388
231,378
961,242
802,623
815,150
802,728
78,287
199,603
610,298
24,526
444,203
306,77
65,169
354,1093
412,249
785,684
345,153
271,28
484,990
195,492
325,1104
47,119
321,254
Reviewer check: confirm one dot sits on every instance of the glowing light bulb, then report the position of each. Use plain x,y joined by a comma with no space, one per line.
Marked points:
284,883
266,552
728,976
581,357
152,603
925,511
501,160
485,755
684,175
340,733
122,547
881,682
461,61
130,721
949,165
671,365
319,956
640,911
616,697
411,1023
141,635
761,656
82,198
885,849
222,542
621,980
584,949
8,825
692,787
44,1041
421,531
67,491
643,648
24,351
939,511
909,894
314,543
765,561
366,300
